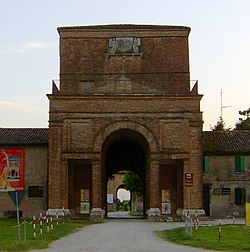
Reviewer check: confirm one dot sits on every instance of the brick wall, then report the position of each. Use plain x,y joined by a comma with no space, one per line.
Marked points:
221,174
35,175
161,65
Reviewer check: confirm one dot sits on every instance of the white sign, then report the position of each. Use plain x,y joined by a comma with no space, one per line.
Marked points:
166,208
110,198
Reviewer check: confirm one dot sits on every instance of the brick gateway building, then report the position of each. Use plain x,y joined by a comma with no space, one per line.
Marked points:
124,103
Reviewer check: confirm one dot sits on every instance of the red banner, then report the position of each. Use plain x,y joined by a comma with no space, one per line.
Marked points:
11,169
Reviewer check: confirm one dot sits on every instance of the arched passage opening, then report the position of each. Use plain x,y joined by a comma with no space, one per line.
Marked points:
116,193
125,149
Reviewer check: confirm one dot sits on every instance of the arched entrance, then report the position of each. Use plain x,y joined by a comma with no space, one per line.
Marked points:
125,149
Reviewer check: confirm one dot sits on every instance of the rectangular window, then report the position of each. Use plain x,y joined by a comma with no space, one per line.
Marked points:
35,191
225,191
217,191
86,87
240,196
205,165
239,163
222,191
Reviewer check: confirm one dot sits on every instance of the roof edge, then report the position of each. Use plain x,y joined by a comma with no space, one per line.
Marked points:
125,27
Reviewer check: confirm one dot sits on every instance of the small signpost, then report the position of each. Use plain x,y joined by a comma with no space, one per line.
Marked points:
188,183
17,197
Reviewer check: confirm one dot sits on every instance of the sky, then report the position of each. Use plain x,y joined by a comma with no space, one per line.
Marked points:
219,48
123,194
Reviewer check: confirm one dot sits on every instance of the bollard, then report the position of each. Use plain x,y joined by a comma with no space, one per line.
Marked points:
41,223
57,218
34,226
47,222
234,217
63,214
24,230
196,222
220,230
51,221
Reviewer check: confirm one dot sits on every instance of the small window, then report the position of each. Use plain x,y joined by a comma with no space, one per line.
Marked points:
222,191
217,191
239,163
240,196
225,191
86,87
35,191
205,165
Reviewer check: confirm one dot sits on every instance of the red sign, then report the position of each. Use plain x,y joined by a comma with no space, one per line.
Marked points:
11,169
189,179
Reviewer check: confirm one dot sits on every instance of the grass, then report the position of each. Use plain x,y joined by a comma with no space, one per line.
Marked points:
233,238
136,214
9,235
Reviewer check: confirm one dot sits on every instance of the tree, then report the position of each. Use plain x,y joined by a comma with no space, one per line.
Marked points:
133,183
123,206
220,126
243,123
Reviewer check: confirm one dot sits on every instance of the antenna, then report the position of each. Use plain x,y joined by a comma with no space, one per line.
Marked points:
221,105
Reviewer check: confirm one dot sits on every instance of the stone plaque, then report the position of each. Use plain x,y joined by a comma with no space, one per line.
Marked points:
124,45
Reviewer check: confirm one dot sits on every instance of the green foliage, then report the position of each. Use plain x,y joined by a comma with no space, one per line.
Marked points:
243,123
233,238
119,204
220,126
123,206
133,183
139,214
9,237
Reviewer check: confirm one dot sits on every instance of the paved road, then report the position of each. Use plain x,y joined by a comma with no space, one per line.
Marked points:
122,215
119,236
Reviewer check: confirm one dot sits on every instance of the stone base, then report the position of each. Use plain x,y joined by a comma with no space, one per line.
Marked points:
154,214
97,215
58,211
192,212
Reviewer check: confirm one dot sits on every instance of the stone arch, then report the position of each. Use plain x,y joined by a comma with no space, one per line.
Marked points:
135,126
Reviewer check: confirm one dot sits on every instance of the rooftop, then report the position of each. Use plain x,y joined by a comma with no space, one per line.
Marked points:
226,142
24,136
127,26
213,142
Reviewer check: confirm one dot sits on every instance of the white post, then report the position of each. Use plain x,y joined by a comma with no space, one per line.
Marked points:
24,230
34,226
41,223
17,216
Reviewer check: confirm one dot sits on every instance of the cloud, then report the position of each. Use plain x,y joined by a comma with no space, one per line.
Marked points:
29,104
22,48
38,45
23,112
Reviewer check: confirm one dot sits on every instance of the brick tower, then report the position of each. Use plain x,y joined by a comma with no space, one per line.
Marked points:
124,103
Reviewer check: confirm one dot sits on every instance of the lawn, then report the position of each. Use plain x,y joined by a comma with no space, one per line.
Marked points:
9,234
139,214
233,237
